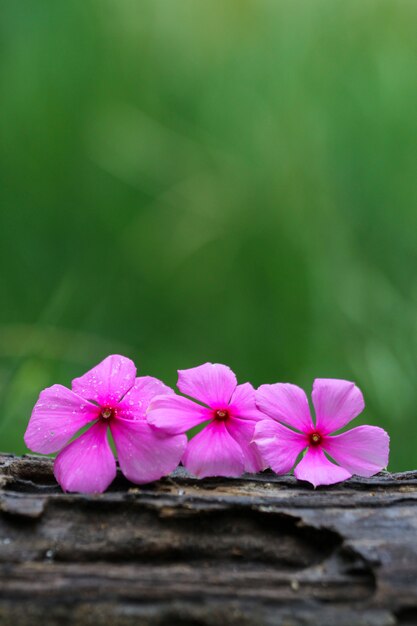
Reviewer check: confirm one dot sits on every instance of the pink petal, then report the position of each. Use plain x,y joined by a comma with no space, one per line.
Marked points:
278,445
286,403
213,452
336,403
135,403
108,381
363,450
174,414
316,468
210,383
86,465
243,405
242,431
144,453
56,417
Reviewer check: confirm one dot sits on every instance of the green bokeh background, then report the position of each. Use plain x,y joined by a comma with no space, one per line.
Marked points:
228,180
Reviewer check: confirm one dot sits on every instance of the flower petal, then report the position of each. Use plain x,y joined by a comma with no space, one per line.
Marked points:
135,403
108,381
213,452
174,414
242,431
144,453
243,405
286,403
87,464
278,445
363,450
211,383
336,403
56,417
316,468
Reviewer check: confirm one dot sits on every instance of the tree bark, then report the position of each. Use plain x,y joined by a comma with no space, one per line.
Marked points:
260,550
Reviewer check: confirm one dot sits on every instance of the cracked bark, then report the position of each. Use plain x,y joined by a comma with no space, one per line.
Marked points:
256,551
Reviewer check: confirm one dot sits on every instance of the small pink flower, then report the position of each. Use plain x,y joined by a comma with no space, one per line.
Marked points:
108,396
223,447
363,450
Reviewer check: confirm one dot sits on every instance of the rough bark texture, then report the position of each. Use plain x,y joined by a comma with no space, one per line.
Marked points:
256,551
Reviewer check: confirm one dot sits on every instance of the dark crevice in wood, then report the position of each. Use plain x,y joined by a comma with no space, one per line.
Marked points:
123,534
407,616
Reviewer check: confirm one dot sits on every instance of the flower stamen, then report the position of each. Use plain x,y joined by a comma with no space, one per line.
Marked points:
315,439
107,413
221,414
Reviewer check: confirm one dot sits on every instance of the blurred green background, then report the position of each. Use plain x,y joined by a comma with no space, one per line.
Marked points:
228,180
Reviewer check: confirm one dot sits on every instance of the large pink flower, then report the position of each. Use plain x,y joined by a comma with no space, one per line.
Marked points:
223,447
363,450
108,396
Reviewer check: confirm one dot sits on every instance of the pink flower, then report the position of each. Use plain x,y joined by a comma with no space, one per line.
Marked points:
223,447
108,396
363,450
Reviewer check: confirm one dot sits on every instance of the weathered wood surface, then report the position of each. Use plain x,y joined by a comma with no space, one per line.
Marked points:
257,551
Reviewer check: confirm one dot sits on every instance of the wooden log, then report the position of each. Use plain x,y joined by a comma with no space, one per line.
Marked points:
260,550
